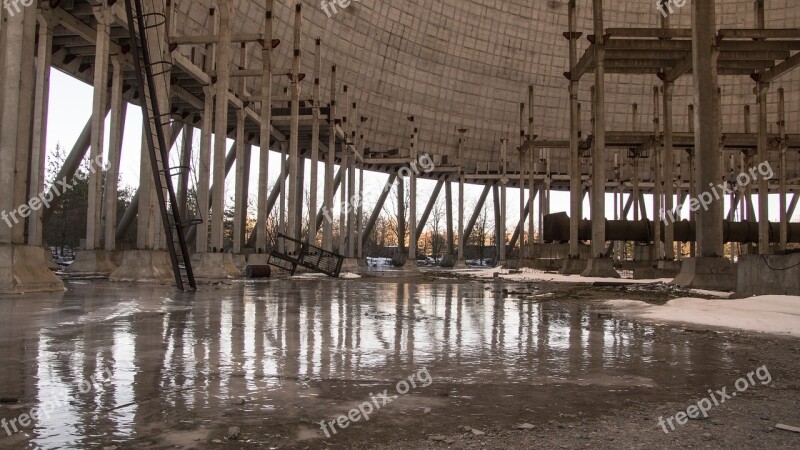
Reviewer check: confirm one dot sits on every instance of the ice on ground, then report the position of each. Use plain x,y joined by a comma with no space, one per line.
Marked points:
537,275
772,314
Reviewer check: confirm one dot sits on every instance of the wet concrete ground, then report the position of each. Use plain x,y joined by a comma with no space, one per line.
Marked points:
138,366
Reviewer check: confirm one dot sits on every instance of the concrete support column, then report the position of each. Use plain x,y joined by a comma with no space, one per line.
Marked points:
599,264
351,185
242,179
223,60
448,245
119,108
460,261
692,156
401,221
22,268
330,161
501,224
657,186
39,133
413,236
265,131
637,207
709,270
17,73
182,193
315,127
522,178
669,171
784,144
531,165
707,132
763,183
498,217
360,207
295,195
344,164
575,172
105,18
204,170
461,236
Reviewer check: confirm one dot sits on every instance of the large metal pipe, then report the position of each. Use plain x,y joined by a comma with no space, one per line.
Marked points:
556,229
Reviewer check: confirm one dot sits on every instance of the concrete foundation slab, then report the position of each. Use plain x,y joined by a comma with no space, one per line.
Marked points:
600,268
23,269
94,262
770,275
145,266
572,266
707,273
215,266
258,259
240,261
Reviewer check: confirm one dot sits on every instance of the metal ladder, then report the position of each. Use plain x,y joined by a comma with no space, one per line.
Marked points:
146,70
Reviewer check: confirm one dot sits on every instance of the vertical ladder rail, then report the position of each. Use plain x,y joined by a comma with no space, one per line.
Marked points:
173,222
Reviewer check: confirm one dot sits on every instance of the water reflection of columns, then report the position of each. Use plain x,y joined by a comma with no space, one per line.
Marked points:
177,357
326,345
542,339
498,324
249,352
149,351
292,327
576,315
448,317
310,330
404,319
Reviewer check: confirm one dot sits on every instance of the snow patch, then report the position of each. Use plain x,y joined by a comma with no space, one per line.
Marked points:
772,314
537,275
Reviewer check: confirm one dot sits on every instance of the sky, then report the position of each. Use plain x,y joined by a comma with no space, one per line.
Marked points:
70,108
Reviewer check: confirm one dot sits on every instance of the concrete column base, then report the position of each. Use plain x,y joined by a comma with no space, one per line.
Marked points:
144,265
572,266
23,270
778,275
350,265
411,265
707,273
399,260
258,259
214,266
448,261
460,264
240,261
95,262
600,268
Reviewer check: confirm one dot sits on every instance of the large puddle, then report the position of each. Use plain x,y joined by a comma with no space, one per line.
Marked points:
115,364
